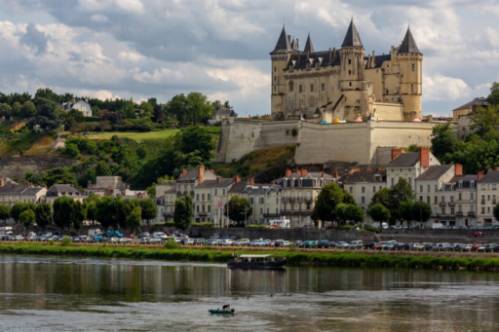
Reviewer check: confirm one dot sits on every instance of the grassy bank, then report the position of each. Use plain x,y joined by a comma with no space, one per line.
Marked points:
294,257
144,136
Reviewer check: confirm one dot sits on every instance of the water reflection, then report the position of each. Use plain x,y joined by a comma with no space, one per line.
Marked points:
166,295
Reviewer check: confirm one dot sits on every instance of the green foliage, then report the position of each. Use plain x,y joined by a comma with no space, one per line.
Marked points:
149,208
191,109
206,224
329,197
68,213
183,212
66,241
195,140
493,98
238,209
43,214
421,211
171,244
4,212
19,208
27,217
378,212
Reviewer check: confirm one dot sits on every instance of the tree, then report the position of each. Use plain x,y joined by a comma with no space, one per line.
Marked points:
28,110
399,193
149,209
196,140
106,212
346,212
68,213
496,211
378,212
238,209
19,208
493,98
27,217
421,211
43,214
382,197
183,212
329,197
444,142
4,212
406,211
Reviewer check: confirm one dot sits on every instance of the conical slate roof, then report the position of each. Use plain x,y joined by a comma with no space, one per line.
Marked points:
283,42
352,38
309,47
408,45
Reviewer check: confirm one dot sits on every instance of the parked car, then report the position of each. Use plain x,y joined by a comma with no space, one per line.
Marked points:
356,244
323,244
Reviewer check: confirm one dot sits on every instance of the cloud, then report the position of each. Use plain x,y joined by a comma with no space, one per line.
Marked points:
133,48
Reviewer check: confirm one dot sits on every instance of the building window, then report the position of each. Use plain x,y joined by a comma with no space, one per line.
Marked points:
291,86
363,189
349,61
323,87
300,88
275,69
420,188
349,83
413,67
363,200
349,72
311,88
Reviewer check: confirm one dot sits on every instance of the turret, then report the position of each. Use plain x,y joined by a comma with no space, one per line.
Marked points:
280,56
352,70
309,47
410,59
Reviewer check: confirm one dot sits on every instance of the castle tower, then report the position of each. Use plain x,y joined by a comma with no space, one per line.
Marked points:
352,72
410,60
284,47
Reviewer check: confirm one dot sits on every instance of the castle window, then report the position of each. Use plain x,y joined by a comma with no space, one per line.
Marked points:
350,83
323,86
311,88
300,88
387,92
275,69
349,72
291,86
413,67
349,61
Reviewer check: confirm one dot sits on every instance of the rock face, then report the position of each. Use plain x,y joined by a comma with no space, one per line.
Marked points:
16,167
364,142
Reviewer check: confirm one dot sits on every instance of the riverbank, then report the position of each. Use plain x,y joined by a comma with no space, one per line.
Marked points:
295,257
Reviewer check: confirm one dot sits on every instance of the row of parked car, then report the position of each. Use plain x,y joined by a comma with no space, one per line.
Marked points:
114,236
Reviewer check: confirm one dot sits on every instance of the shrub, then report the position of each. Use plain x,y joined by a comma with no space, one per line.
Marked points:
171,244
66,240
203,224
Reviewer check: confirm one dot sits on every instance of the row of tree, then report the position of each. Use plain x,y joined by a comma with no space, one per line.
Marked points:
67,213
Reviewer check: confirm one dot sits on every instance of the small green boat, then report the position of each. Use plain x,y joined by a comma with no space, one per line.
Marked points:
225,310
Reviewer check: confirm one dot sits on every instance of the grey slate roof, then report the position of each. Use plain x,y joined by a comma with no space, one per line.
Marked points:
57,189
309,46
491,177
18,190
376,176
405,160
434,172
218,183
283,43
481,101
408,45
316,59
352,37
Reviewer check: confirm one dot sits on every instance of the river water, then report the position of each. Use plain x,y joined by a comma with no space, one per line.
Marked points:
68,294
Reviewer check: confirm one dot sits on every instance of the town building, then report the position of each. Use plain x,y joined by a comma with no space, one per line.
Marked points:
408,165
364,183
299,192
63,190
210,198
487,196
462,116
107,186
12,193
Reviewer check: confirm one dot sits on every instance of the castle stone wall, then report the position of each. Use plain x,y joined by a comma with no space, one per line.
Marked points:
363,143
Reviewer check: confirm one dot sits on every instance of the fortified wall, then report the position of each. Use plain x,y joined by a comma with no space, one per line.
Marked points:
365,143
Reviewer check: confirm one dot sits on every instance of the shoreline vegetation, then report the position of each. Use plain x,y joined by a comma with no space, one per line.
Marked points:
295,257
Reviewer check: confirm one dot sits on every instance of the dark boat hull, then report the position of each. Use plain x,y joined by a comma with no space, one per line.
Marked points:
274,265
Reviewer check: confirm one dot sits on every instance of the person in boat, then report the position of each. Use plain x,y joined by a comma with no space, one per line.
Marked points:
226,307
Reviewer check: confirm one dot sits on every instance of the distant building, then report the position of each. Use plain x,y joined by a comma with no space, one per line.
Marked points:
63,190
462,115
11,193
107,186
488,196
364,183
222,113
408,165
80,105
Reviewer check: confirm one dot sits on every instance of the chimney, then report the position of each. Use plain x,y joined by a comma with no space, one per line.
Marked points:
304,172
200,176
396,152
184,172
251,181
424,157
288,173
237,179
480,175
458,170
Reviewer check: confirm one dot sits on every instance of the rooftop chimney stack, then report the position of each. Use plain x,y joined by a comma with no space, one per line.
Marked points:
288,173
395,153
200,176
458,170
424,158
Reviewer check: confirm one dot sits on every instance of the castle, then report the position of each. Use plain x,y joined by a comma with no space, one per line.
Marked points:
337,105
345,84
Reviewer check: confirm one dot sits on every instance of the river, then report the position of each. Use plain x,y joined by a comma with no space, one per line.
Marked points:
78,294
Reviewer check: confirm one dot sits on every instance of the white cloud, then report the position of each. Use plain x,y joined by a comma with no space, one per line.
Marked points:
440,87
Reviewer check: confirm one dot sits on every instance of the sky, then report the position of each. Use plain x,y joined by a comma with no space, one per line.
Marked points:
159,48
